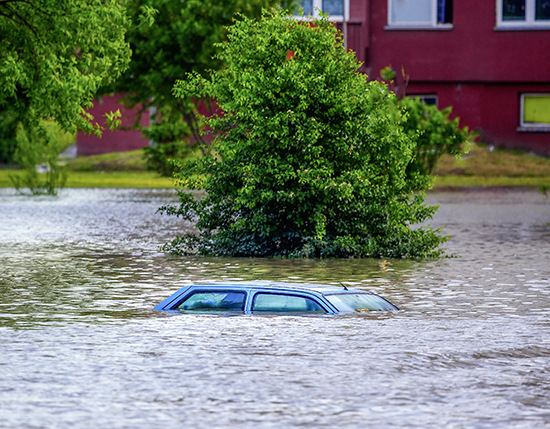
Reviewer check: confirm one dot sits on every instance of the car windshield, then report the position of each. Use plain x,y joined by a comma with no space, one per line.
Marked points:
360,302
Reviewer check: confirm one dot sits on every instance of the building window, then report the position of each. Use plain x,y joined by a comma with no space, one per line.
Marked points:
429,99
337,9
535,112
523,13
420,13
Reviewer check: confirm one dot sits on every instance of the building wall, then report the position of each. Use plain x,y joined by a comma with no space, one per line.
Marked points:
476,68
119,140
473,50
492,109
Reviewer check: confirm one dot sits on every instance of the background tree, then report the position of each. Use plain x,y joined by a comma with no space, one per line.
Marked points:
40,147
436,132
182,40
8,127
310,157
55,54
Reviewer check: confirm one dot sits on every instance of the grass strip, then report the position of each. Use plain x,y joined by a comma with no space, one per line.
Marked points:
148,179
103,179
118,179
482,167
486,182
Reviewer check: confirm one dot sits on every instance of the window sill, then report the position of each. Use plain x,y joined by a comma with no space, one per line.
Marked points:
422,27
522,28
308,18
541,129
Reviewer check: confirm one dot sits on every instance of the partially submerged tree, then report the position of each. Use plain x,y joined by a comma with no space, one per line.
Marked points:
310,159
182,40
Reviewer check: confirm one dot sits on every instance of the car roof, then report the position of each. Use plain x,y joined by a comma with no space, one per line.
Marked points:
269,285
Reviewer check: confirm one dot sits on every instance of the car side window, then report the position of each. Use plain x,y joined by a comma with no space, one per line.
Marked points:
277,303
213,301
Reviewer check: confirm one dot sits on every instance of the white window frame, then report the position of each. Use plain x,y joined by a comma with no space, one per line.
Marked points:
318,6
528,23
431,24
530,126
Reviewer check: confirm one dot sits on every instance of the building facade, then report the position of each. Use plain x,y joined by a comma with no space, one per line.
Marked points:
123,139
489,60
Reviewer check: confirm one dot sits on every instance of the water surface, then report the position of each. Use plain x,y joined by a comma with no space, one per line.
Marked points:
81,347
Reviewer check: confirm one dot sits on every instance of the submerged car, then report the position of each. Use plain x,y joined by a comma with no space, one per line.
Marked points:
272,298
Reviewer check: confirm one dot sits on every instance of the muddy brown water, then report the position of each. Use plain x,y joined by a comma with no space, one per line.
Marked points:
80,346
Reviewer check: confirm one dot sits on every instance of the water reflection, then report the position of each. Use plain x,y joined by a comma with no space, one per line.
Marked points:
80,273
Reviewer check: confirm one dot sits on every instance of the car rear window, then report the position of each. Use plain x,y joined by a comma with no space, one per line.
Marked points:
360,302
277,303
213,301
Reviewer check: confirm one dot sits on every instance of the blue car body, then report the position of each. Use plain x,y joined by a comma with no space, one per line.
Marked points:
272,297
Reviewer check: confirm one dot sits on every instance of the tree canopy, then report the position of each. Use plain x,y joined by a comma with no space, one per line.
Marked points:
55,54
310,158
183,39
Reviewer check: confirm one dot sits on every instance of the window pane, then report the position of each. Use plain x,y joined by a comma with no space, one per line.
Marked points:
307,5
430,100
542,10
536,109
444,11
333,7
411,11
214,301
276,303
513,10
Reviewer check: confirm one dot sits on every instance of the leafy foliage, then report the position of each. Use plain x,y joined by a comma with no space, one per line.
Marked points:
437,134
310,158
55,54
183,39
40,147
8,127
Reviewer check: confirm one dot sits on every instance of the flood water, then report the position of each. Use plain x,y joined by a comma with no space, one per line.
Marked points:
80,346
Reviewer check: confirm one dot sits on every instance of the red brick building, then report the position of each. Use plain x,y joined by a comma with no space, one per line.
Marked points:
489,59
120,140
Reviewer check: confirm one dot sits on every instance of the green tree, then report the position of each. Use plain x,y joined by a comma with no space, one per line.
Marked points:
310,158
40,147
437,134
182,40
8,127
55,54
